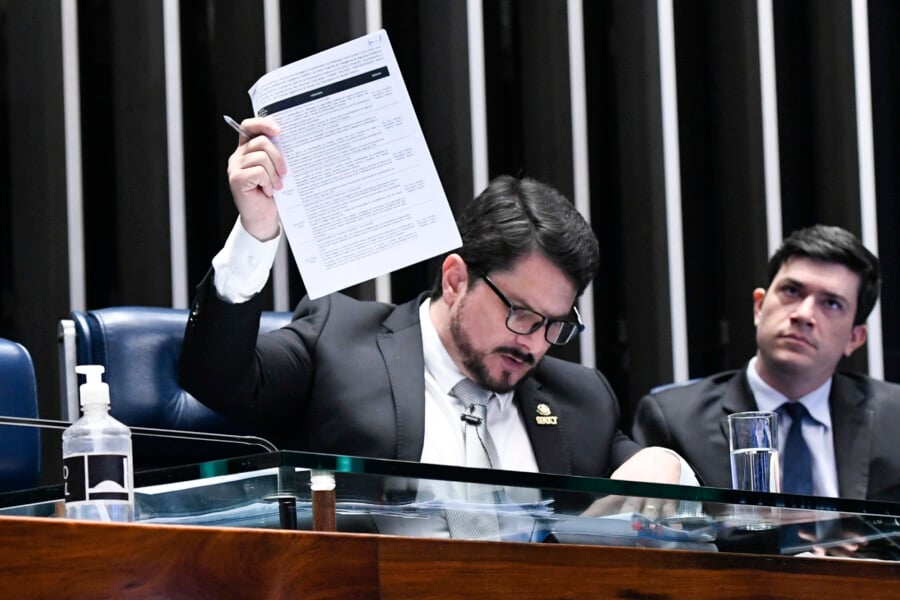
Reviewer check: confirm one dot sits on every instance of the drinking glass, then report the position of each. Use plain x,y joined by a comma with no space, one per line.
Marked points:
753,442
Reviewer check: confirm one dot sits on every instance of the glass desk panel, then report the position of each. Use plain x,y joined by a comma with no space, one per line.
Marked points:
272,490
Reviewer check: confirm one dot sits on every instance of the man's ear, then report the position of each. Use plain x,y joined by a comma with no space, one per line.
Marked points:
454,278
858,336
759,294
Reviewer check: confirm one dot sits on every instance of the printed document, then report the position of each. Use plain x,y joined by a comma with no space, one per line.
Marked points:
362,196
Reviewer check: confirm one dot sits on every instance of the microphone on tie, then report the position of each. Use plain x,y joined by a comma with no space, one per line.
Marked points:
471,419
479,452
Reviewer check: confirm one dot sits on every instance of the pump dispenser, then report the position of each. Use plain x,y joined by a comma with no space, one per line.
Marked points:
93,390
97,457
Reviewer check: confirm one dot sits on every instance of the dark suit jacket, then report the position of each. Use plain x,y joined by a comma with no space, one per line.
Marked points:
865,415
347,377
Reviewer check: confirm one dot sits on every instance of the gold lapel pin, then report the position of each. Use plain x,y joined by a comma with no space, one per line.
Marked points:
544,416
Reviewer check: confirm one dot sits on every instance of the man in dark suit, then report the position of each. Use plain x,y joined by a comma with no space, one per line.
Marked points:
823,283
367,378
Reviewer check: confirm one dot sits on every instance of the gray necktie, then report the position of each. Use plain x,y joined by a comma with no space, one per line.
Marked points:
480,453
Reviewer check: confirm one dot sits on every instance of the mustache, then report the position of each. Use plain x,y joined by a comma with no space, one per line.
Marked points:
525,357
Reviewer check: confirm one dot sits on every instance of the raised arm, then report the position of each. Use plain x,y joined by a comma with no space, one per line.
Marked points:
255,171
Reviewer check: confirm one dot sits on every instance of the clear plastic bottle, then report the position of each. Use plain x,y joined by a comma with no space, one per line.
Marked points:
97,457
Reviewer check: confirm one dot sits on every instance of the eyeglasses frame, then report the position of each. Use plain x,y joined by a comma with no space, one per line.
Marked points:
545,320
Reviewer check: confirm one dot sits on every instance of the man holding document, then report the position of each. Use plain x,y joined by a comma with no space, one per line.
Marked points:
456,376
365,378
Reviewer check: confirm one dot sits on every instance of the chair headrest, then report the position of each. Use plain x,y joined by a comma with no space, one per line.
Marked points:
20,448
140,347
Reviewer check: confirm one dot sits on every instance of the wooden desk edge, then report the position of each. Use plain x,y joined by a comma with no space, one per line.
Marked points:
62,558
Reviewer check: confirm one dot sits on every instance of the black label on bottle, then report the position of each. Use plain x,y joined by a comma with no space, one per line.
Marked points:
95,477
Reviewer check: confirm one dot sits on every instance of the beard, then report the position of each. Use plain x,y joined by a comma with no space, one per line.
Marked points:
474,360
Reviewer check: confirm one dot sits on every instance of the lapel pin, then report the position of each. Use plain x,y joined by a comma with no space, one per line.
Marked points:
544,416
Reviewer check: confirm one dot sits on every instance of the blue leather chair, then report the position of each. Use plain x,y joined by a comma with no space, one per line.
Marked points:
20,447
675,384
140,346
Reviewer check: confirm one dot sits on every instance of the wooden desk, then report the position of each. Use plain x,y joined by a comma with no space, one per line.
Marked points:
57,558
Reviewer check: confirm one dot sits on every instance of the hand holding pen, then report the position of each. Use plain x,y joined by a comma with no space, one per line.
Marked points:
237,127
255,171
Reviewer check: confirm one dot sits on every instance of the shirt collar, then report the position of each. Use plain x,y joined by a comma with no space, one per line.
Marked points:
438,361
768,398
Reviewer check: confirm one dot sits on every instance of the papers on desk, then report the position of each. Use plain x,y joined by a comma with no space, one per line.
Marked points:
249,500
626,529
362,196
533,522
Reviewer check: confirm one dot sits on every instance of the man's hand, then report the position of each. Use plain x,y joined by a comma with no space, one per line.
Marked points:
849,547
654,464
255,170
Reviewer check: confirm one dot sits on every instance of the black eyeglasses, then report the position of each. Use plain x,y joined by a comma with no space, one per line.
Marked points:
525,321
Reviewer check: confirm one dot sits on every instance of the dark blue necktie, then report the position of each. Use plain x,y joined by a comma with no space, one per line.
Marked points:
797,477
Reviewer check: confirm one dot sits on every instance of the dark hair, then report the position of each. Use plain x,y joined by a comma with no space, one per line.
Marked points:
512,218
834,245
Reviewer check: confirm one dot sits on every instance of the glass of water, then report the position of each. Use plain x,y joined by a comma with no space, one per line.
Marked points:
753,442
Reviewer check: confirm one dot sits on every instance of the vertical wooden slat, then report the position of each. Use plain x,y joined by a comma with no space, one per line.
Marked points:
383,291
477,93
580,164
72,133
672,166
175,153
769,93
866,152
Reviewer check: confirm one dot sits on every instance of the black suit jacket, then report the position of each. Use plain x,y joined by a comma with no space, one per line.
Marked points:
347,377
865,415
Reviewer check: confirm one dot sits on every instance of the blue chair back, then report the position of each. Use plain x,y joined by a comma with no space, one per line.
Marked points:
140,347
675,384
20,447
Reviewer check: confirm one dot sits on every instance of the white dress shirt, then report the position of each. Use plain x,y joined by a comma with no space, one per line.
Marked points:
818,435
444,442
242,266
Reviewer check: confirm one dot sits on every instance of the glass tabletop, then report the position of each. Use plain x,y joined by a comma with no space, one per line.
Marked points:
275,490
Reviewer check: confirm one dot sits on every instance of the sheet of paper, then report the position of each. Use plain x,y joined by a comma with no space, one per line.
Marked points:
362,196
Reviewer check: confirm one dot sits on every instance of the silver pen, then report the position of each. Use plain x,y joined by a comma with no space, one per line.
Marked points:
237,127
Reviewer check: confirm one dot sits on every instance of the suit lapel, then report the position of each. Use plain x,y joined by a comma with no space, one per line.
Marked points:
401,348
546,433
851,422
736,397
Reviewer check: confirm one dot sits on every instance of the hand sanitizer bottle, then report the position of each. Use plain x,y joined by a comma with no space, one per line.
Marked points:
97,458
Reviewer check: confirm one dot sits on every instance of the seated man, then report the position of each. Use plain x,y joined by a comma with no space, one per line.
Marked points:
823,284
371,379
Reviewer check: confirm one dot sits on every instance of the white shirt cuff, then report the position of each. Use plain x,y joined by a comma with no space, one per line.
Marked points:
688,477
242,266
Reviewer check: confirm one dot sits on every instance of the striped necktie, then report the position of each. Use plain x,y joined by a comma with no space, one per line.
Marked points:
480,453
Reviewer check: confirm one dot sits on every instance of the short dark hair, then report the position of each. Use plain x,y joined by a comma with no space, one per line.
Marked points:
834,245
512,218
